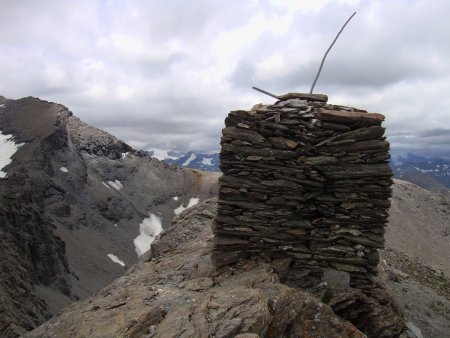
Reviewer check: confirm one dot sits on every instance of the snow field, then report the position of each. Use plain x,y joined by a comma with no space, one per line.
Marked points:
207,160
148,229
116,184
189,160
7,149
115,259
193,201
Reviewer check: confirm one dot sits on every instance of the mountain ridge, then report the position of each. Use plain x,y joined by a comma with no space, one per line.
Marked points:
74,199
432,173
191,159
174,288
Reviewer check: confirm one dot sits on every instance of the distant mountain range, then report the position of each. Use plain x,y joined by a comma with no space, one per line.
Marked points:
193,160
429,173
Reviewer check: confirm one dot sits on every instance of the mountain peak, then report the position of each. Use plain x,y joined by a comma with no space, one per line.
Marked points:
191,159
77,205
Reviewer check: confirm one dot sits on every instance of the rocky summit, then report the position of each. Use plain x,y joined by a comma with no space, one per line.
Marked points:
79,208
310,182
175,290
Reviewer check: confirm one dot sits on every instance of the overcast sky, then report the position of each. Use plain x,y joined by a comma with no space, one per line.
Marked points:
164,74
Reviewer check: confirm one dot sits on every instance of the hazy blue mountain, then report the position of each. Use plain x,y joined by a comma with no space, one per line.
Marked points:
194,160
429,173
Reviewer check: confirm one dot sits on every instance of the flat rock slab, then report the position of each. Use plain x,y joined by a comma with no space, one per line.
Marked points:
304,96
349,116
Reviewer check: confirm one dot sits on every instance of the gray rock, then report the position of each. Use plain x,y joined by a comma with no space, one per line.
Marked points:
176,290
414,331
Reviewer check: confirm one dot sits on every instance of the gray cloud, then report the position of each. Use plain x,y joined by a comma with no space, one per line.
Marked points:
165,74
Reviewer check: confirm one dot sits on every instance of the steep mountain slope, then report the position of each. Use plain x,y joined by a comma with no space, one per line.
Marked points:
174,290
420,225
77,206
416,257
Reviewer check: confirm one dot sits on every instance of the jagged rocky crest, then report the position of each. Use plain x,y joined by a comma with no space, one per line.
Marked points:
176,291
74,196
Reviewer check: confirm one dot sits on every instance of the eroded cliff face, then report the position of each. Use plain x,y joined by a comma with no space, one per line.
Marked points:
176,291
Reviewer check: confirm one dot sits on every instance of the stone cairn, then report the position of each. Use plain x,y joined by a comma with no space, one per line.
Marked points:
306,180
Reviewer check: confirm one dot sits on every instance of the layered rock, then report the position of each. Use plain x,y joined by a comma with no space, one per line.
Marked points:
176,291
309,181
75,207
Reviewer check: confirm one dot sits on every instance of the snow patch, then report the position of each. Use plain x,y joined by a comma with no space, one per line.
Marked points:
193,201
125,154
7,149
189,160
116,259
149,229
106,185
116,184
175,198
207,160
2,105
64,169
163,155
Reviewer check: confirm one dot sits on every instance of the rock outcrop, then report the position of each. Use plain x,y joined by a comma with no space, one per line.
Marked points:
176,291
309,181
182,254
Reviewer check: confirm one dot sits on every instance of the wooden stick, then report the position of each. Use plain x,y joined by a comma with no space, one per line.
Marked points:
265,92
326,53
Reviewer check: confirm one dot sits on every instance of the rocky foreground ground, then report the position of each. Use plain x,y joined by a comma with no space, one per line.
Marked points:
175,291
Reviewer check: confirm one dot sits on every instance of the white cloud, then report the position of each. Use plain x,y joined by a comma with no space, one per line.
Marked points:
165,74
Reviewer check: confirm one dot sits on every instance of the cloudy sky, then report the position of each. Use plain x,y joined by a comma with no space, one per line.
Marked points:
164,74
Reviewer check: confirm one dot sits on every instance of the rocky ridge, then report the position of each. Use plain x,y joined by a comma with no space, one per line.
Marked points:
106,312
176,291
74,199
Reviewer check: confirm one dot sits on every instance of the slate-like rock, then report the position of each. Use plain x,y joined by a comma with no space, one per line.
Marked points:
176,291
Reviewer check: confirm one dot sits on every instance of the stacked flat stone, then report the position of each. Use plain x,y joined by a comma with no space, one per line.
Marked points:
307,180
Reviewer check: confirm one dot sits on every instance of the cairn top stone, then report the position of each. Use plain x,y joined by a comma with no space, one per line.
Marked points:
349,116
304,96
